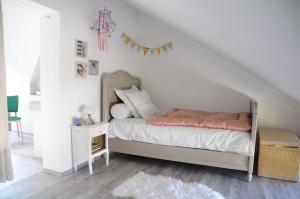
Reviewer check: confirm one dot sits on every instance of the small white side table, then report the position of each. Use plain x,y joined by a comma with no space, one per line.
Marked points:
95,136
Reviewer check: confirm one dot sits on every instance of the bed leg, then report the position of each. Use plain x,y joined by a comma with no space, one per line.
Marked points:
249,177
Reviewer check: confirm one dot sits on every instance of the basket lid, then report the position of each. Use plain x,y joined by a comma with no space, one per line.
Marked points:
278,137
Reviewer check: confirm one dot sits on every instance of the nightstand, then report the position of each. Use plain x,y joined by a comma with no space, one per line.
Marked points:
89,141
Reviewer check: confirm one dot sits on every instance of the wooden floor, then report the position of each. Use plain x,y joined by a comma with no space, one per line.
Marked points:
232,184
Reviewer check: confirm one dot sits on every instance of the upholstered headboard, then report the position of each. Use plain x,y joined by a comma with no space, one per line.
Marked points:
119,79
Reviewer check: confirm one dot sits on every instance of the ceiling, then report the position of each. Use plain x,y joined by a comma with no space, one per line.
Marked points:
262,37
27,5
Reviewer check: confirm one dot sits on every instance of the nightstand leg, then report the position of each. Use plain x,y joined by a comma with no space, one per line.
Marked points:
90,166
107,158
74,153
90,140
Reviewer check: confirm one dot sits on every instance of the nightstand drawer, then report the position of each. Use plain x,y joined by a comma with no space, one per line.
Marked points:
99,130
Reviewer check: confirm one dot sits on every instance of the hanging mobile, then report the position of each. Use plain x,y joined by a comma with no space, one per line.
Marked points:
104,26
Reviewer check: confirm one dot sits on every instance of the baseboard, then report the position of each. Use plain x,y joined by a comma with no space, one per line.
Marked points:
67,172
64,173
81,165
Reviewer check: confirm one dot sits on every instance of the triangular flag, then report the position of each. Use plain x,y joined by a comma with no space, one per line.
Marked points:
133,44
165,48
157,50
138,48
127,40
151,51
145,50
123,35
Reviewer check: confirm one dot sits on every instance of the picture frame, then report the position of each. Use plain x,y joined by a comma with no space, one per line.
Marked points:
93,67
80,70
81,48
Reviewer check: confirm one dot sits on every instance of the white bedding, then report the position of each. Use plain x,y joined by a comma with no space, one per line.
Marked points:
202,138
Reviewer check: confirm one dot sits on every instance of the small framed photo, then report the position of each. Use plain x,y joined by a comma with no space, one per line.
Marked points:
93,67
81,48
80,70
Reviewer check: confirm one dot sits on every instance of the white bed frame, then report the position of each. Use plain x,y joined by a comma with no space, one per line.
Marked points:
123,80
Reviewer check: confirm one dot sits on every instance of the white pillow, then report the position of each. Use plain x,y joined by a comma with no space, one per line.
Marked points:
122,95
143,104
120,111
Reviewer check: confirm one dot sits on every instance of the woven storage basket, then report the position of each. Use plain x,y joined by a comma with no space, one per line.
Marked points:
277,160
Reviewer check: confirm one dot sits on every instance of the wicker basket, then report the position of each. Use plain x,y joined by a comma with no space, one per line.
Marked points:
279,154
279,162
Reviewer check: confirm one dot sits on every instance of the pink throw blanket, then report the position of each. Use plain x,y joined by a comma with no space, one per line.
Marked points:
202,119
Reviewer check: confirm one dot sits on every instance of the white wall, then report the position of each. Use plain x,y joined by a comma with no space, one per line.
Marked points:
22,49
259,36
50,74
169,77
195,76
75,22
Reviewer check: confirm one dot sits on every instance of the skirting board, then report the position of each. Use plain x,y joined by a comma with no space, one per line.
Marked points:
69,170
56,173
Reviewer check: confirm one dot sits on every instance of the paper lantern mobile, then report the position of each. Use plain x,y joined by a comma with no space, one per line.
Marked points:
104,26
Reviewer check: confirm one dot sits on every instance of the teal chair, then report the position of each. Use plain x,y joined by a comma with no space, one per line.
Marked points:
13,107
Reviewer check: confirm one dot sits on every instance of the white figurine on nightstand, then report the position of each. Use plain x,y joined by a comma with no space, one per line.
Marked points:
87,136
89,112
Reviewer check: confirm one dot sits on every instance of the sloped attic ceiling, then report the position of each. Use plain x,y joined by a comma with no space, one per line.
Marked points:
262,37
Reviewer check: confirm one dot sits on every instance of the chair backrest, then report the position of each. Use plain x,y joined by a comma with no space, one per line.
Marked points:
12,103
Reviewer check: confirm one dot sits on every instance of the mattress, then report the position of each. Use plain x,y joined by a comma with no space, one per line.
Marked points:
191,137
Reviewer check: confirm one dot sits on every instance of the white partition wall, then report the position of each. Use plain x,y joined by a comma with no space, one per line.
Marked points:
50,87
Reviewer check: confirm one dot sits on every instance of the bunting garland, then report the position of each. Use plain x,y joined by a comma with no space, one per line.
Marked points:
133,44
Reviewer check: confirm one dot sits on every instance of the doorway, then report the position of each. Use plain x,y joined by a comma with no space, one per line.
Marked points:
27,41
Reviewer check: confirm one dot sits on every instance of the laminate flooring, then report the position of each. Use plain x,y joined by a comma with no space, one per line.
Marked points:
231,184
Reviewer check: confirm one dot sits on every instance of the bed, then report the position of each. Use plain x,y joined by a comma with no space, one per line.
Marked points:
223,159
